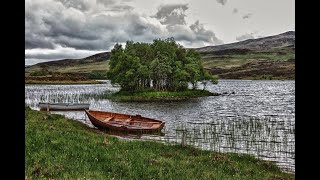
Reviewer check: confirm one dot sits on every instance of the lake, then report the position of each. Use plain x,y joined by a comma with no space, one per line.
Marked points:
252,116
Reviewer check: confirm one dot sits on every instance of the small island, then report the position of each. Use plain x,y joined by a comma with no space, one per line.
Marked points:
158,71
61,148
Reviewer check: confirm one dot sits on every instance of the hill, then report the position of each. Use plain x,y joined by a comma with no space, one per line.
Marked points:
271,57
266,44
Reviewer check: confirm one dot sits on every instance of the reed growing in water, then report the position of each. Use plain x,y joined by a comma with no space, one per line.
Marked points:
60,148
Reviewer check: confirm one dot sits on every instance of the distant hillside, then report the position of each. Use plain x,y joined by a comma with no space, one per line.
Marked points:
69,62
244,59
264,44
100,56
97,62
271,57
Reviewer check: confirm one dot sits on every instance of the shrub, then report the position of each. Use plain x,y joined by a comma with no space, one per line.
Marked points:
40,73
98,75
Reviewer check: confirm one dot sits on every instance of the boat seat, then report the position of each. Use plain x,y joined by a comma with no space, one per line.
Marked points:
107,119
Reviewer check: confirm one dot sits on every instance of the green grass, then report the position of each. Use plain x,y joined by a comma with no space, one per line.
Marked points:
224,63
229,61
86,68
91,67
60,148
78,68
266,56
149,96
39,73
98,75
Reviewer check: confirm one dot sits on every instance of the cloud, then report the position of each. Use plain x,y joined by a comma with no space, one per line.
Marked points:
223,2
122,8
111,5
246,16
174,17
245,36
172,14
106,2
41,55
51,23
235,10
57,53
77,28
82,5
204,35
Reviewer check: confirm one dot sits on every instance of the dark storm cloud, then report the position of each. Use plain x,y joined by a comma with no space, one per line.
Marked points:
66,25
223,2
246,16
174,17
88,26
45,22
172,14
235,10
245,36
138,29
34,41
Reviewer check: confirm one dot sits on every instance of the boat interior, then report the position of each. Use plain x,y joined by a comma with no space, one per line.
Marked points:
116,118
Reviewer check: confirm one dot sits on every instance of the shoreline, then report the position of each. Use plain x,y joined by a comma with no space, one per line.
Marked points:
158,96
58,147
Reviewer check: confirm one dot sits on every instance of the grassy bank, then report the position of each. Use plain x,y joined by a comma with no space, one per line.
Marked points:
62,82
75,66
154,96
60,148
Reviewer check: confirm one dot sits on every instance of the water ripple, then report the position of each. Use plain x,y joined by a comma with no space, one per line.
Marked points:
258,118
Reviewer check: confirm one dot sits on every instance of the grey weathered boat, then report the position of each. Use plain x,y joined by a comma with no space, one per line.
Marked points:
63,106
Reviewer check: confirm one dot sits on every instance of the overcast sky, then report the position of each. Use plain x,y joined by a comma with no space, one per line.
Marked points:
59,29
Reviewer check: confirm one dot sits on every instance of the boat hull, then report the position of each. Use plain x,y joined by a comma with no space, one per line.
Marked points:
131,126
63,106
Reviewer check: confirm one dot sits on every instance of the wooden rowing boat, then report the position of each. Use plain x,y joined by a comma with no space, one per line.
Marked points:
63,106
124,122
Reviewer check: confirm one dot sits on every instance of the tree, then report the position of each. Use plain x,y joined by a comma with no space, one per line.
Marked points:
162,65
206,77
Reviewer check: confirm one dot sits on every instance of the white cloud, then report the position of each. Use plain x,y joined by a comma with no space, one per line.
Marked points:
75,28
37,55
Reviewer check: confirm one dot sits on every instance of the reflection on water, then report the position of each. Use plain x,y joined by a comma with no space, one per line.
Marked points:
259,118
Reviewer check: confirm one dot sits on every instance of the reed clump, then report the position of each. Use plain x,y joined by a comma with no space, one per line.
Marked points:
61,148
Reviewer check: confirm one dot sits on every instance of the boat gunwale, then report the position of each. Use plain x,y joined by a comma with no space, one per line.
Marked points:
112,126
127,115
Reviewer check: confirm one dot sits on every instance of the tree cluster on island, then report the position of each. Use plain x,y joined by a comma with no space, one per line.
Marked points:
163,65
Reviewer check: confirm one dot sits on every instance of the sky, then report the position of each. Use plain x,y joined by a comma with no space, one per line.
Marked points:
61,29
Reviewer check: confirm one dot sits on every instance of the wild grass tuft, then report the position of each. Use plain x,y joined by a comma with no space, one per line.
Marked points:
60,148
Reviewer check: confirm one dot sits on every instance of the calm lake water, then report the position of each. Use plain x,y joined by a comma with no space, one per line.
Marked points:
258,118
